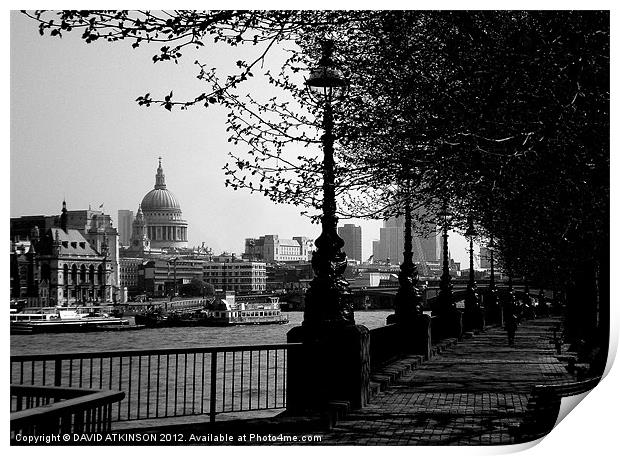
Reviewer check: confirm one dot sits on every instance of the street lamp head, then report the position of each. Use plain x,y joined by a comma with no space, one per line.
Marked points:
444,214
471,230
326,82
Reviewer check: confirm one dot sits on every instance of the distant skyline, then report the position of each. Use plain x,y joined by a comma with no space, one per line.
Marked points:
77,133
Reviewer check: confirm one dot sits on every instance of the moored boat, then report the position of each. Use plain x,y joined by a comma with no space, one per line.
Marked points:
226,311
222,311
64,319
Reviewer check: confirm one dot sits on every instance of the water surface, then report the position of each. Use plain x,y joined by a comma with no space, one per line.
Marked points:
26,344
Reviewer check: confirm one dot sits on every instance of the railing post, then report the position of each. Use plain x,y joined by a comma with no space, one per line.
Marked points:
57,372
213,395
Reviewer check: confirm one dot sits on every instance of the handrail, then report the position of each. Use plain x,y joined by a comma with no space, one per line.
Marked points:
146,352
90,411
168,382
91,399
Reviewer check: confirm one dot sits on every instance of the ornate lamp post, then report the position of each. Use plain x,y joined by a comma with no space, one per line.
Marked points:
528,307
328,297
490,299
510,305
451,319
445,301
408,303
491,249
332,362
471,302
473,311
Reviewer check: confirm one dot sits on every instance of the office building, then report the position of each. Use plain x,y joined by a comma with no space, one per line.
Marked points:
352,237
390,247
125,221
234,275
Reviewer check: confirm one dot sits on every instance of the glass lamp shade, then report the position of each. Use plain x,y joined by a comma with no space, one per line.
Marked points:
327,84
444,213
471,231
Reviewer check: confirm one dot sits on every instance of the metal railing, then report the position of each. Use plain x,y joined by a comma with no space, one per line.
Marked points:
37,410
169,382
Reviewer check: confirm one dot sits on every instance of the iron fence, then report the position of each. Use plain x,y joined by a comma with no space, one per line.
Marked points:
169,382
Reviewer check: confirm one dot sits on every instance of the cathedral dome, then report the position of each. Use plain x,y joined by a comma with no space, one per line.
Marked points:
159,221
160,198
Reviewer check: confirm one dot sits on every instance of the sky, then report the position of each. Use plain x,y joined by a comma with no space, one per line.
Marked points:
76,133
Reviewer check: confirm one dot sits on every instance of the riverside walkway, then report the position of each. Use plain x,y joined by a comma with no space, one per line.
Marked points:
472,393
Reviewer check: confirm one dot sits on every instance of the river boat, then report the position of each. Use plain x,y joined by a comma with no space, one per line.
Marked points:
64,319
222,311
225,311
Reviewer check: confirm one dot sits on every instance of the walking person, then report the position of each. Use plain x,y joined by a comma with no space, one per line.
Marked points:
511,326
511,319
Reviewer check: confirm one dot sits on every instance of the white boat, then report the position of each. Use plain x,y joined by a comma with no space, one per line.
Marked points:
225,311
64,319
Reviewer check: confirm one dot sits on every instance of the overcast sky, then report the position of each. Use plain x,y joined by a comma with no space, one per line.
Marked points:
77,133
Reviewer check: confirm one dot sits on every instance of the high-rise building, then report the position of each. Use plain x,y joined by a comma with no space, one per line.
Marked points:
375,251
485,258
352,237
390,247
125,219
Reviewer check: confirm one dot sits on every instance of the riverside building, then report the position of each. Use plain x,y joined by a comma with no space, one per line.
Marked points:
235,275
273,249
74,259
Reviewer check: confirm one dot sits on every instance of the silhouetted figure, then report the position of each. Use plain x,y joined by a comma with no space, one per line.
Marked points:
511,319
511,322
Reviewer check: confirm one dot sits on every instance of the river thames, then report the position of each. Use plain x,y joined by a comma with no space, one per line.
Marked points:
153,338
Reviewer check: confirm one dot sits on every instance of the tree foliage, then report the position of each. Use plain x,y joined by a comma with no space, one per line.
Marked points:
503,114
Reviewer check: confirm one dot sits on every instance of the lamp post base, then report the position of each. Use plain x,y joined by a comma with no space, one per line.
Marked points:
473,320
449,323
331,364
414,333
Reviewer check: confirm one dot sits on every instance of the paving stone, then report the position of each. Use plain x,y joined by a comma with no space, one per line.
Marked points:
473,393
